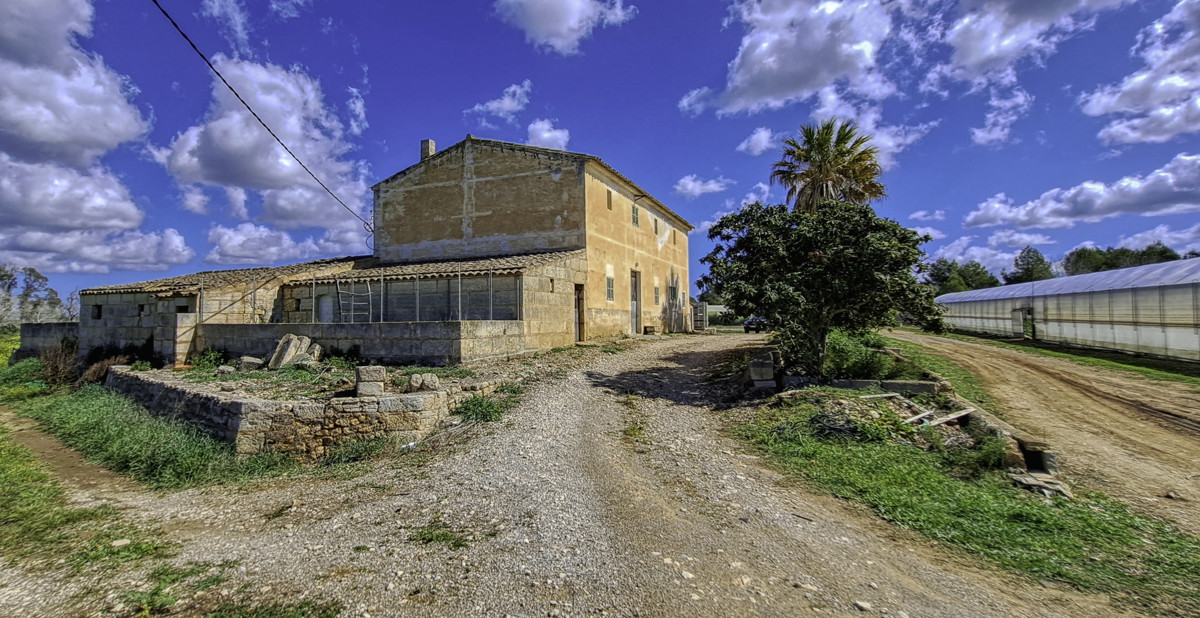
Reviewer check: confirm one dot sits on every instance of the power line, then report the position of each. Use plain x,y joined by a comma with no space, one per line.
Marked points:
366,224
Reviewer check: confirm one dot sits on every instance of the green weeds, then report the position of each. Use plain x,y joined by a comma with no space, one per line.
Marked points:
492,407
306,609
403,372
965,383
437,531
960,498
164,454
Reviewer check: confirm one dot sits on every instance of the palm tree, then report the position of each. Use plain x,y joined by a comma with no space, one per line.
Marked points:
833,162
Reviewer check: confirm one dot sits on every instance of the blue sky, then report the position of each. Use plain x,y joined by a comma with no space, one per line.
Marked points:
1002,123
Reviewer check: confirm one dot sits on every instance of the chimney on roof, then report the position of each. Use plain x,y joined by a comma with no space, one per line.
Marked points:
427,148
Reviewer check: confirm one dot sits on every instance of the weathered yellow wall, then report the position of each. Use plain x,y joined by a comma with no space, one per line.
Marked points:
480,199
615,247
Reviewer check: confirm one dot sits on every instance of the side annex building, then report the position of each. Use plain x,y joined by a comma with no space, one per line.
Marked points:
484,250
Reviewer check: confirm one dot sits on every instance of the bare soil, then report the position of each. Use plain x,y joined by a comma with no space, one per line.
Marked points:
566,511
1131,437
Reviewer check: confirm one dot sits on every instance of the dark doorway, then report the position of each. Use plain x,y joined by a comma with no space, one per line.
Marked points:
579,312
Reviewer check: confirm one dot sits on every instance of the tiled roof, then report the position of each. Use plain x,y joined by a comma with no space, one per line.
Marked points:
211,279
498,265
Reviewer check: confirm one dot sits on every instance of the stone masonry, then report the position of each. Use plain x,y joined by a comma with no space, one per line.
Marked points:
303,429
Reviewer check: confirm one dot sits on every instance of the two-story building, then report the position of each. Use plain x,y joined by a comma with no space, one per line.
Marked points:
486,249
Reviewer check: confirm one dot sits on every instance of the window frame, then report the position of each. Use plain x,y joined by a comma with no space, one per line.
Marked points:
610,285
636,216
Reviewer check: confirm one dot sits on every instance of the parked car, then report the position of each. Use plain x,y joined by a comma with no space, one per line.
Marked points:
755,323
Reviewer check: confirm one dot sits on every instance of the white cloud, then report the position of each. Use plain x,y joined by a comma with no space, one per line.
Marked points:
255,244
1181,240
925,215
561,25
716,216
512,100
962,251
1006,106
696,101
195,200
890,140
793,49
542,133
358,111
56,101
1162,99
288,9
760,141
232,151
692,187
61,109
235,24
760,193
932,232
1173,188
1017,240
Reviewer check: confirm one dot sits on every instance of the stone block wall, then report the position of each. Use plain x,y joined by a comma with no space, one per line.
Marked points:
305,430
548,302
42,336
400,343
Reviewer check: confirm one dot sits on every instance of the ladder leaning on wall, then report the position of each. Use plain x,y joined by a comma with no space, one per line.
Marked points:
352,302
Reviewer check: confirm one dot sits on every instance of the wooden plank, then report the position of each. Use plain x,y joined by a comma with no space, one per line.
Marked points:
946,419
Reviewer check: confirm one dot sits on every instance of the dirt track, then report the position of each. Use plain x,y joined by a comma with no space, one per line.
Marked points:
566,515
1130,437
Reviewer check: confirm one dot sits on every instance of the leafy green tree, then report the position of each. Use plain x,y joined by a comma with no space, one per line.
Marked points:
976,277
831,162
708,297
841,266
1083,260
1030,265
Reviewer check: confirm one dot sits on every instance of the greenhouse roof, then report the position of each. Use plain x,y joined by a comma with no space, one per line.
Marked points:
1178,272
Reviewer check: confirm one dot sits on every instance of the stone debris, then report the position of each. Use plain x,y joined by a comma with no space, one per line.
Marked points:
250,363
1044,483
225,370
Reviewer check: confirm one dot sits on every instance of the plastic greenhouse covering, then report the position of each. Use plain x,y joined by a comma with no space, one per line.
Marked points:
1178,272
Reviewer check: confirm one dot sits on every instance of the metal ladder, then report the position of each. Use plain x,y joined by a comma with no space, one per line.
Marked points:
353,303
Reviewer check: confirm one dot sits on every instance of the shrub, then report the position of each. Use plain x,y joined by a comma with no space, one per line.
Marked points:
847,358
95,374
208,360
140,366
59,365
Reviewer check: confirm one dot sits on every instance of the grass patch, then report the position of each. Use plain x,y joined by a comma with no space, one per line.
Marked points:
635,430
35,519
9,342
492,407
965,383
307,609
1093,543
441,372
22,381
437,531
122,436
1153,368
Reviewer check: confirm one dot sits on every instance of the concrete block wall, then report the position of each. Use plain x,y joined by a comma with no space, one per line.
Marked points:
39,337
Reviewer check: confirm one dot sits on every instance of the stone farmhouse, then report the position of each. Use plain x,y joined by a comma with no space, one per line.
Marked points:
484,250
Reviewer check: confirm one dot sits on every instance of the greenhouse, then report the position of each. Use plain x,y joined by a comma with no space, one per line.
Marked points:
1152,309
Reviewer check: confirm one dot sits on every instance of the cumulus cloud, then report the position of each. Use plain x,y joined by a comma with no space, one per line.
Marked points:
61,109
1015,239
542,133
1181,240
249,244
692,187
235,24
760,141
696,101
962,251
793,49
932,232
560,25
890,140
232,151
58,103
760,193
925,215
1173,188
195,200
1161,99
512,100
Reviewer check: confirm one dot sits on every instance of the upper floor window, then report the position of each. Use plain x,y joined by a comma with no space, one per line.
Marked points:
608,284
610,199
656,295
636,215
656,227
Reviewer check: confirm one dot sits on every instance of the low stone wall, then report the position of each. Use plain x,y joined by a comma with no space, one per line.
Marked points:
302,429
418,343
39,337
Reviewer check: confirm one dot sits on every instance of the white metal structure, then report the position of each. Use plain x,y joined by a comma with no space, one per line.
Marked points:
1152,309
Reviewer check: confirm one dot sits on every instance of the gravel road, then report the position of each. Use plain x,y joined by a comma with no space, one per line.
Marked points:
565,514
